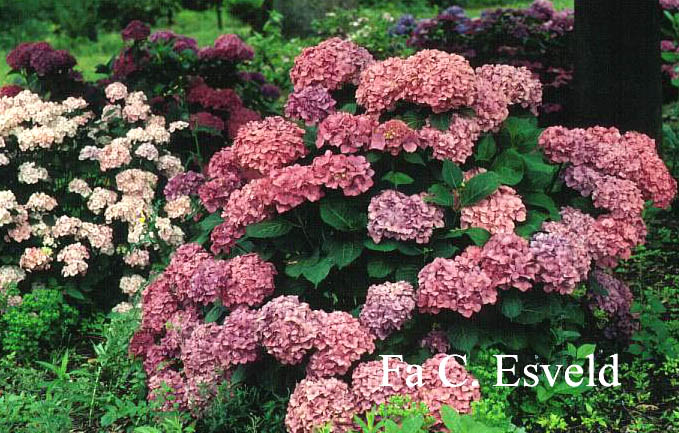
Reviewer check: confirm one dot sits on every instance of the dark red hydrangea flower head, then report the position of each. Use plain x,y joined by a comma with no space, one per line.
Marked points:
206,120
135,31
10,90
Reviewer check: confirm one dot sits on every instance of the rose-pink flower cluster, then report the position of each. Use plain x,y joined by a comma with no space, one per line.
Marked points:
394,215
387,307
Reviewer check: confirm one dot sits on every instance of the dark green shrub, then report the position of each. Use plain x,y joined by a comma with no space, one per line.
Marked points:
40,322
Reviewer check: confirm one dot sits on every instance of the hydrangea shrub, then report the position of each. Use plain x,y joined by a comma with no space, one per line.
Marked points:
79,203
402,198
207,86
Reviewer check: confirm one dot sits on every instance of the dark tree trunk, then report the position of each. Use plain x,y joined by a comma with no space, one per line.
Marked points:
218,11
617,64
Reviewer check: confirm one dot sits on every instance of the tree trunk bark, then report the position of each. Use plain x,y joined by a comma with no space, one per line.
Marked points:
617,65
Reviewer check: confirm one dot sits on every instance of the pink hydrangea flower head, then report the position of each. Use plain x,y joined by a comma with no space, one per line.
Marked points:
393,136
559,143
239,117
214,194
457,284
199,351
496,213
341,341
250,281
350,133
382,85
394,215
508,261
563,262
234,48
208,280
491,106
169,387
387,307
287,329
158,304
516,84
456,144
350,173
330,64
272,143
140,343
184,263
617,237
439,80
223,164
293,185
435,394
366,383
311,104
436,341
317,402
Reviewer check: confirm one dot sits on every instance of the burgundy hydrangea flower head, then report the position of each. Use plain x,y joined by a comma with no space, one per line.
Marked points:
508,261
387,307
10,90
393,136
135,31
457,284
330,64
228,47
214,99
20,57
186,183
311,104
250,281
40,57
350,133
287,329
272,143
124,65
436,341
317,402
238,117
366,383
394,215
350,173
435,394
140,343
203,119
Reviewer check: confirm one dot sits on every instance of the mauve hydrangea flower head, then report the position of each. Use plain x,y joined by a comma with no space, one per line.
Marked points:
317,402
292,186
496,213
287,329
350,133
250,280
271,143
457,284
158,304
208,281
617,297
436,341
178,329
508,261
168,386
330,64
387,307
186,183
135,31
541,9
563,262
203,119
491,107
669,4
393,136
270,91
394,215
311,104
141,341
237,339
341,341
350,173
366,383
199,352
214,194
435,394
